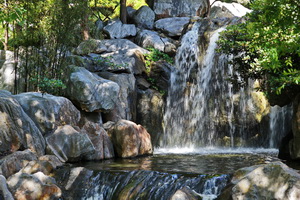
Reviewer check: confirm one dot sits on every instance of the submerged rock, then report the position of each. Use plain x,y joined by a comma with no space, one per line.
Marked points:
172,26
130,139
269,181
91,92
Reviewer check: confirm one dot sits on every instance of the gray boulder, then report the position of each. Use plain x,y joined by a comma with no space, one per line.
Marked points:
126,104
89,91
89,46
4,191
14,162
144,17
116,29
17,130
268,181
172,26
147,38
150,113
99,25
69,144
130,139
130,12
229,10
48,111
101,141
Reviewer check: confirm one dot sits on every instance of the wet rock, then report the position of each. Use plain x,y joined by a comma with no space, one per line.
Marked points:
172,26
48,111
69,144
130,139
96,93
147,38
228,10
144,17
52,159
15,162
17,130
176,8
293,144
269,181
36,186
150,113
101,141
160,73
117,30
4,191
185,194
126,104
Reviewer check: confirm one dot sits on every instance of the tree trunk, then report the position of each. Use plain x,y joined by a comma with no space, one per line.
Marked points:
123,11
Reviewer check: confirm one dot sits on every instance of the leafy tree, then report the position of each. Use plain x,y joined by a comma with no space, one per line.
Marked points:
266,47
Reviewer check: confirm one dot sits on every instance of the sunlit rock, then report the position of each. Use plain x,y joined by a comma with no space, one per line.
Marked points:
117,30
17,130
172,26
185,194
68,144
130,139
48,111
89,91
268,181
222,9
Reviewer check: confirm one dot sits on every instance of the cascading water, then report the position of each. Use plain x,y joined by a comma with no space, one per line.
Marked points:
204,108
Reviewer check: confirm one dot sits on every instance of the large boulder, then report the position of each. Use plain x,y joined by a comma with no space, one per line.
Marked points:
144,17
17,130
7,68
126,104
147,38
69,144
91,92
15,162
130,139
48,111
177,8
35,186
117,30
172,26
268,181
101,141
150,113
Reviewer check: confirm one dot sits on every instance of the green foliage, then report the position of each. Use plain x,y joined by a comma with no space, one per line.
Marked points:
266,46
155,55
46,85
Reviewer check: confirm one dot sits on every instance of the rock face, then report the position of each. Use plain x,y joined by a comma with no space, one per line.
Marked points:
177,8
147,38
126,104
269,181
172,26
48,111
101,141
17,130
130,139
116,29
91,92
150,113
69,144
144,17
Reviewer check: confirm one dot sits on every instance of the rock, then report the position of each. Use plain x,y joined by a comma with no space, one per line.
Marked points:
172,26
7,71
185,194
48,111
294,147
268,181
95,117
130,139
150,113
38,166
90,46
17,130
117,30
52,159
79,61
147,38
130,12
15,162
99,25
4,191
142,83
160,73
96,93
144,17
36,186
101,141
69,144
177,8
227,10
126,104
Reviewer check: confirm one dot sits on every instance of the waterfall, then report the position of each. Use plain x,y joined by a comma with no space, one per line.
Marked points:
204,108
